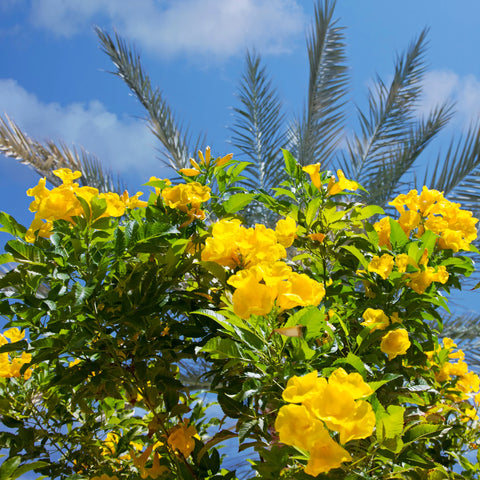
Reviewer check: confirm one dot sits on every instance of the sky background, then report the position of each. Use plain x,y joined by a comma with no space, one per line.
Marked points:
54,81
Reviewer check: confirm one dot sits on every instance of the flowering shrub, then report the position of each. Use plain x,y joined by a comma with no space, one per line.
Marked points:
321,331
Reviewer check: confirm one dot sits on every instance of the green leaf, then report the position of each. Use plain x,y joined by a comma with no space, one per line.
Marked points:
397,236
357,253
312,210
25,253
390,423
222,348
237,202
366,212
9,225
290,162
355,362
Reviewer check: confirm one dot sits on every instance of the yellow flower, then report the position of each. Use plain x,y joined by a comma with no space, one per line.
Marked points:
410,200
338,406
409,220
395,343
468,383
181,438
222,247
296,426
133,202
375,319
353,382
115,205
314,172
317,237
383,265
253,298
382,227
326,454
298,389
342,184
402,261
14,334
299,290
187,197
67,176
420,281
286,231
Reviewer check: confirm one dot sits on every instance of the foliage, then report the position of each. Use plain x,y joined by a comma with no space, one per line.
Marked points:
323,334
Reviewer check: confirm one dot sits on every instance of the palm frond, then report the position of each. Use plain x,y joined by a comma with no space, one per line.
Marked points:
257,128
48,156
315,137
395,175
177,145
388,123
457,173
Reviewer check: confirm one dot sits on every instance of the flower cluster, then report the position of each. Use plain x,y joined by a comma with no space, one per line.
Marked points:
393,343
430,210
418,280
11,367
466,381
187,197
62,203
205,161
318,406
264,281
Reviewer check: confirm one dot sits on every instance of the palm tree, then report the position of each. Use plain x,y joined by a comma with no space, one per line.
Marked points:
382,155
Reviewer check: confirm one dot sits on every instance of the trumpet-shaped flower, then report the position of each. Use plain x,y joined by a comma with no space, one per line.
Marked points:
343,184
383,265
286,231
314,171
395,343
326,454
375,319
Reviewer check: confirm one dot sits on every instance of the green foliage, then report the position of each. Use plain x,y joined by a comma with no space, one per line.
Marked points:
116,307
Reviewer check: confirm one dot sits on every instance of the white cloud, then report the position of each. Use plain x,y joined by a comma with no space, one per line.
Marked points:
122,144
195,27
443,85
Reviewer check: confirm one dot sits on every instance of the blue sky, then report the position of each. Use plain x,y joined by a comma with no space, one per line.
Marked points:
54,81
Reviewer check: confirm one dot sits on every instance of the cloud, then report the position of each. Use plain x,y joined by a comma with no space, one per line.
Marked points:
221,28
443,85
123,144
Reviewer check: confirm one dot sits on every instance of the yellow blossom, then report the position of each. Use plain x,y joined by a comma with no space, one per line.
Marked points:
181,438
299,290
382,227
342,184
286,231
383,265
375,319
296,426
253,298
317,237
326,454
395,343
298,389
314,172
14,334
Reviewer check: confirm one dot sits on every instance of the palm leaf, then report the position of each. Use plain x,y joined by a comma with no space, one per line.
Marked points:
457,173
257,128
48,156
386,130
177,143
315,136
395,175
